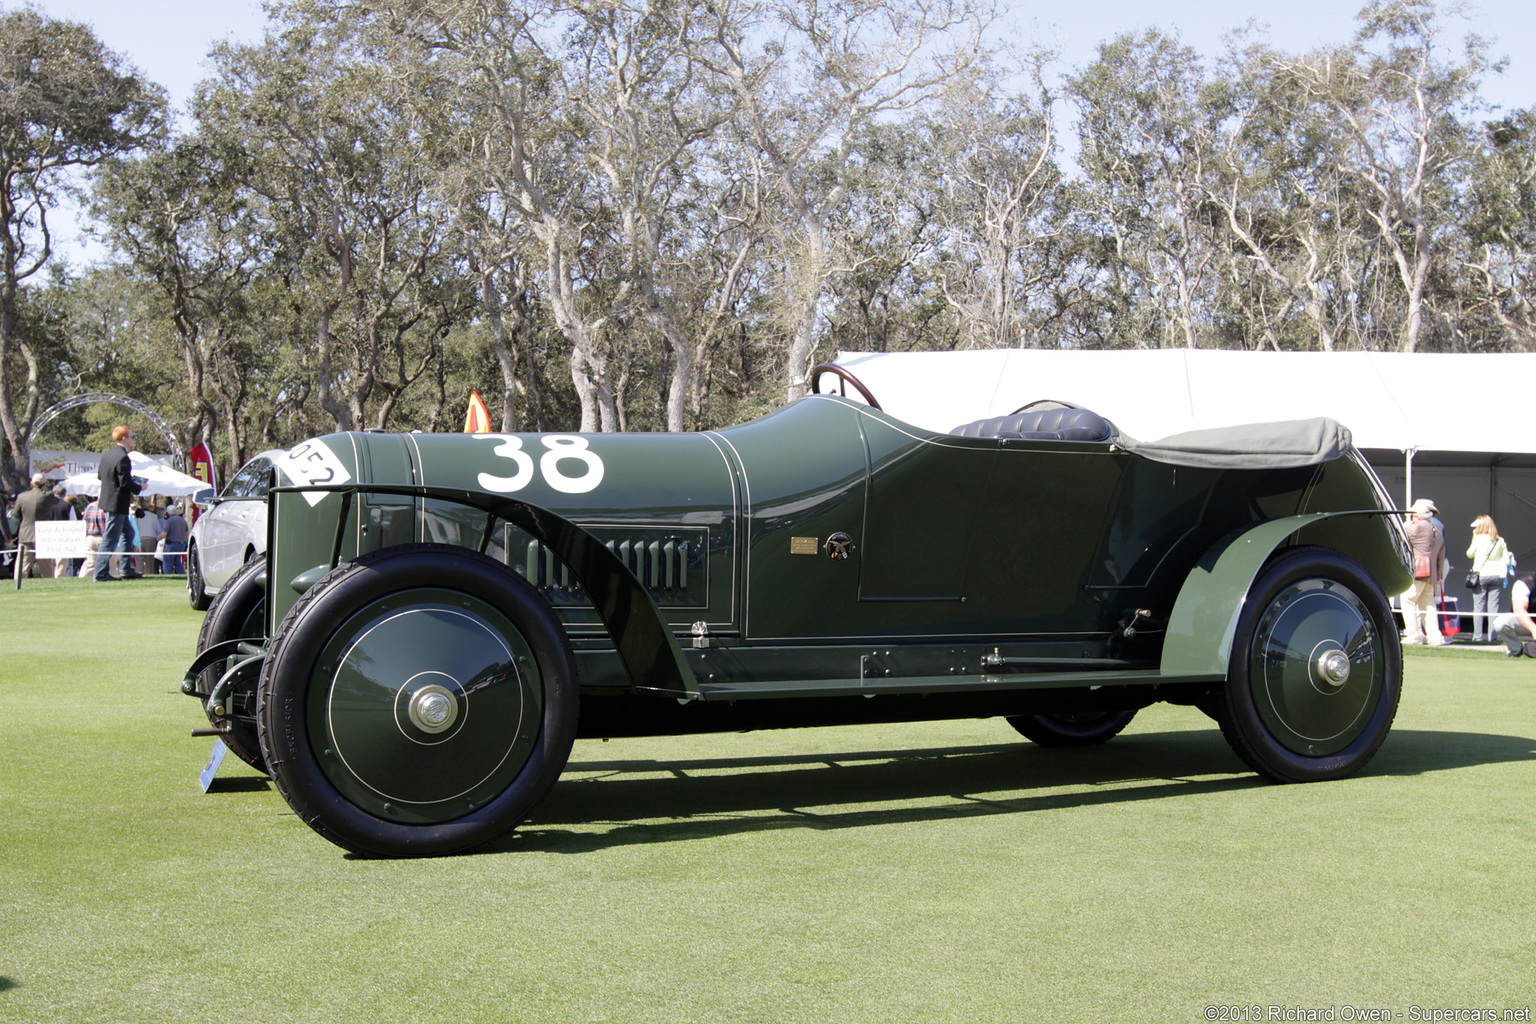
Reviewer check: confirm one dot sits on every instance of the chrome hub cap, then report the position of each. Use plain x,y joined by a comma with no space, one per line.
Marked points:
433,709
1331,669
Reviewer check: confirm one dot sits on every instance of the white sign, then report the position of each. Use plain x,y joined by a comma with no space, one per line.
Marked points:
57,539
59,465
205,779
313,463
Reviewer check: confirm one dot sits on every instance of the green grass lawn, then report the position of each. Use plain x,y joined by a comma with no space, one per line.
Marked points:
927,872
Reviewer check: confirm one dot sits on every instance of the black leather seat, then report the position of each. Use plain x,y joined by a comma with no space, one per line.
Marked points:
1060,423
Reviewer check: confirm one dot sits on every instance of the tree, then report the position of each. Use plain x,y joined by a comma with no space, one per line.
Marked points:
517,154
66,104
1402,109
1146,155
340,180
178,215
1500,223
811,82
996,165
1286,200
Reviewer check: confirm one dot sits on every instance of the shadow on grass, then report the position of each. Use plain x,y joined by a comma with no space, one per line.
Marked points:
6,984
240,784
1420,751
655,801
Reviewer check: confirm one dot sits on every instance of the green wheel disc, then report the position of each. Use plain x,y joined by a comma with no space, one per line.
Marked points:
424,705
1315,669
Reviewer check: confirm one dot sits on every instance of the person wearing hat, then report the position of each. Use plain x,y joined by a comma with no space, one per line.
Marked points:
174,530
1421,623
37,504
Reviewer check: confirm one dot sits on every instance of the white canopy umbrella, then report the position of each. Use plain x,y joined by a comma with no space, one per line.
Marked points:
159,479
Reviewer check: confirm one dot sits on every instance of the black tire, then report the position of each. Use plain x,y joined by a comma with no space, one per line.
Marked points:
238,612
1316,669
1083,729
197,596
433,735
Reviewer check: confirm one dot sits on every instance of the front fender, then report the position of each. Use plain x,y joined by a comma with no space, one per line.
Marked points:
1198,641
640,634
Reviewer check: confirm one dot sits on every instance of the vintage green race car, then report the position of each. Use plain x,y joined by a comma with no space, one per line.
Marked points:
439,616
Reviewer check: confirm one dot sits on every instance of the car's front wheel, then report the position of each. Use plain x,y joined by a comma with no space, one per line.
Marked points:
1315,672
197,593
419,700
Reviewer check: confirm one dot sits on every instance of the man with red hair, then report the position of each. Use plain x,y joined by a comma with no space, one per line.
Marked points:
115,470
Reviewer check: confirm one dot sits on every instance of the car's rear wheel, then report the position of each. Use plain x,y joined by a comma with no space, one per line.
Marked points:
238,612
1315,671
1084,729
197,593
418,701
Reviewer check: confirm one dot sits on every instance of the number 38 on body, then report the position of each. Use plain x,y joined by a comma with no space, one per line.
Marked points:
562,450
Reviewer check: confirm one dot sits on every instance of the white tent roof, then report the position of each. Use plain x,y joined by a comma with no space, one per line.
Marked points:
158,477
1386,399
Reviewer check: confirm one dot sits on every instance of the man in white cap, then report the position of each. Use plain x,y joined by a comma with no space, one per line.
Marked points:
33,506
1420,620
173,530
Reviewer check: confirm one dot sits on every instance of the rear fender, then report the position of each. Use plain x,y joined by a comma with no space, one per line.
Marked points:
1204,618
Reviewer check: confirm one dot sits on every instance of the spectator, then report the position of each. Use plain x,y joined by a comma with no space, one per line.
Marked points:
117,490
1516,627
136,534
173,531
95,525
1420,621
146,528
8,526
1490,560
63,512
37,504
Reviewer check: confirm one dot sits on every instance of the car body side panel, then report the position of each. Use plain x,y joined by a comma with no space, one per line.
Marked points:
920,509
1040,534
664,504
952,537
803,480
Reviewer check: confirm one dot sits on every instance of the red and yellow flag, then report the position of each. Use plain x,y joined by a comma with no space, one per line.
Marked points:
478,419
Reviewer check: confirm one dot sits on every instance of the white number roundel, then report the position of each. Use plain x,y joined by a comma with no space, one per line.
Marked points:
563,448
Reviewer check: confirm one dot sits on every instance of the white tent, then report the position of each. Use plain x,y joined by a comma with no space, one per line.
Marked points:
1389,400
1442,426
159,479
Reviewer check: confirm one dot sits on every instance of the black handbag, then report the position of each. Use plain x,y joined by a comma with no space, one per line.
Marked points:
1472,580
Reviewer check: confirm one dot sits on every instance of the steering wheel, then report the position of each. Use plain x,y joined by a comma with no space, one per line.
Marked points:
838,371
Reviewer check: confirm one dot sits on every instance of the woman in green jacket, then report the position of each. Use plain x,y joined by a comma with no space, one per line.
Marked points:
1490,560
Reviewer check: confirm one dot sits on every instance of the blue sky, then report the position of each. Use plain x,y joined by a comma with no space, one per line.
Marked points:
169,39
